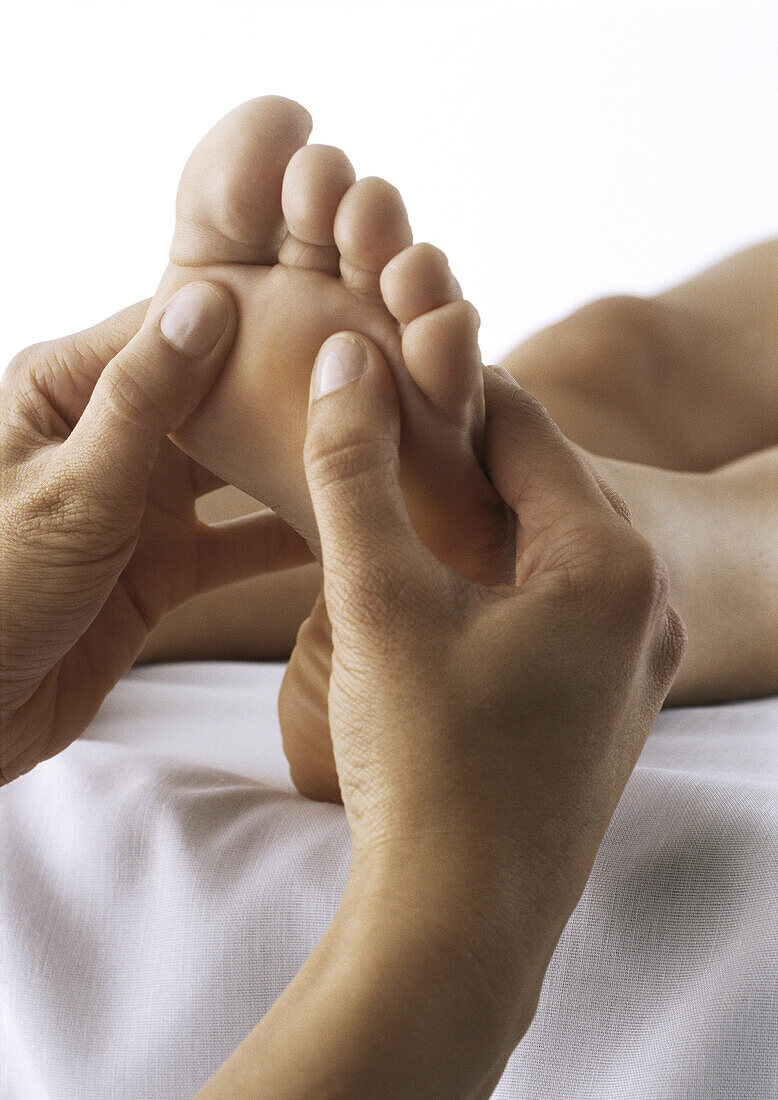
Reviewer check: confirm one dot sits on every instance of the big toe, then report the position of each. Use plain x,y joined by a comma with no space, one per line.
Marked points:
228,208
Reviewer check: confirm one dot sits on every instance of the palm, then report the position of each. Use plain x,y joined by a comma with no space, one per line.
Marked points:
147,555
164,568
162,571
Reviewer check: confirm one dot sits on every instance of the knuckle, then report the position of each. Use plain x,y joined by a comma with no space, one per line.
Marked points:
644,579
622,508
43,505
653,579
39,364
61,518
673,646
127,398
346,459
20,431
42,389
618,566
23,362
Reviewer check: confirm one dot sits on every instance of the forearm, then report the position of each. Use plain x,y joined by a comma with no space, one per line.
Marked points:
391,1003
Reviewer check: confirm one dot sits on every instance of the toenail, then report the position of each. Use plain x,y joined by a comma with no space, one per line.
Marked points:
194,319
342,359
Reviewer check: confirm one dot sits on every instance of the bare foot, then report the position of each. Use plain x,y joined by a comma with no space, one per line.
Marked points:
442,355
308,252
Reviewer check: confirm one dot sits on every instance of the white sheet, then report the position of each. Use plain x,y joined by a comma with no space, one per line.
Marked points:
161,882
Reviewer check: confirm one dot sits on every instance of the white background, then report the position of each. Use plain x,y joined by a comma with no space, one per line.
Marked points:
557,152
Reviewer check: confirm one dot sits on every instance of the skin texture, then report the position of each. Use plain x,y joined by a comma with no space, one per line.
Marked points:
618,375
574,548
519,820
98,532
582,574
696,520
135,557
307,251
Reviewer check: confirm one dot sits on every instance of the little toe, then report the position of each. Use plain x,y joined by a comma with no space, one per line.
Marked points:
440,349
371,227
316,179
418,281
228,208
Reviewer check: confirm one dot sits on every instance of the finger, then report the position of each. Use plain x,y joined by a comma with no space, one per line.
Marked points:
97,345
668,651
534,468
248,546
63,373
615,499
66,370
352,466
150,388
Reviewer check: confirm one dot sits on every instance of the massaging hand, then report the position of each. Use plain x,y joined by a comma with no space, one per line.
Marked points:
482,737
98,532
496,725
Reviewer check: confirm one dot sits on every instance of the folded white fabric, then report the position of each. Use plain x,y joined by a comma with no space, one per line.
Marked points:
161,883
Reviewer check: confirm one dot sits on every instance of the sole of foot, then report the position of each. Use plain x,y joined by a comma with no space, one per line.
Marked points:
307,250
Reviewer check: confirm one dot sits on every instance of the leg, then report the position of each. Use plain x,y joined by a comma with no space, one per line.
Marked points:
673,392
686,380
718,533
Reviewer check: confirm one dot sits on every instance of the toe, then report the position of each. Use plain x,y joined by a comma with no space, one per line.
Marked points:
228,207
417,281
441,353
371,227
316,179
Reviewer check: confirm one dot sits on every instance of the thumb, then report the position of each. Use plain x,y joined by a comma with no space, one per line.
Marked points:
154,383
368,543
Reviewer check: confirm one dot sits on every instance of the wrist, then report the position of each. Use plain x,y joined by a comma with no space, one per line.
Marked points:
446,1024
395,1000
471,909
440,999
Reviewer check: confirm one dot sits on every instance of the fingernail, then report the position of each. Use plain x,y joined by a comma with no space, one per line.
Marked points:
505,374
194,319
341,360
